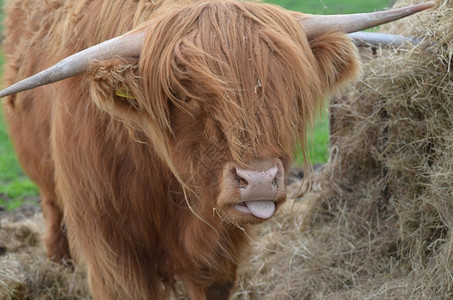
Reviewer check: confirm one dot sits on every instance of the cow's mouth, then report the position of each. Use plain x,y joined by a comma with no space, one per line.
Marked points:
263,209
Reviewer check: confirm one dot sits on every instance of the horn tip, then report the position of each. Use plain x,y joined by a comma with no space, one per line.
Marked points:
419,7
3,93
426,5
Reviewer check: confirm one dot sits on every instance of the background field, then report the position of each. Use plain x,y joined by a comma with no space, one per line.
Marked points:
16,188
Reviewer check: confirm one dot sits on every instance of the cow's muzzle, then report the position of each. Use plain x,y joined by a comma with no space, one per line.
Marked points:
253,192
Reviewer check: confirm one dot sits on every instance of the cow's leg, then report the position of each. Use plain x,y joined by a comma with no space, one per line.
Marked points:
118,266
54,238
117,274
221,291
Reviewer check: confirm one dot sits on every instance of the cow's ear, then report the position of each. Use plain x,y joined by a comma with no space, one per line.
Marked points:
337,59
116,88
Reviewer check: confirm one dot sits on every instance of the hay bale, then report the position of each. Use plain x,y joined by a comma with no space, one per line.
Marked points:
379,224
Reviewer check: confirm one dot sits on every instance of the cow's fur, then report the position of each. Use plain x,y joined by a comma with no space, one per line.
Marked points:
133,183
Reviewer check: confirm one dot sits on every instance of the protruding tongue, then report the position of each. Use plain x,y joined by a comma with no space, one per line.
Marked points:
261,208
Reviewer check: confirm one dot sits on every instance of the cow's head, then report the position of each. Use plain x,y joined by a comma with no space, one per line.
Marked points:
224,92
232,88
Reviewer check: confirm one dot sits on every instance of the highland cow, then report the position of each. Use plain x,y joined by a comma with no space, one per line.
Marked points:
172,132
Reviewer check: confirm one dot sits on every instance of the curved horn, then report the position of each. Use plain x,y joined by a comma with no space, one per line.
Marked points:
127,45
316,24
363,39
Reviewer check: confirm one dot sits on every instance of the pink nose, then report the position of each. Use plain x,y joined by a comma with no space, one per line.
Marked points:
259,185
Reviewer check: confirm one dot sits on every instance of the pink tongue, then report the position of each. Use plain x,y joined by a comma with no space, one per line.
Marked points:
261,208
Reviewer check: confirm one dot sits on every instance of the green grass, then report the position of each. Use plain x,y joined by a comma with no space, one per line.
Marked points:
333,6
15,186
318,140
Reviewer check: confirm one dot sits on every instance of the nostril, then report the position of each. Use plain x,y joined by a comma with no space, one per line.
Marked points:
238,179
241,182
275,180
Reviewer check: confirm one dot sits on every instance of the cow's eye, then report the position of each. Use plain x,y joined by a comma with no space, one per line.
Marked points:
192,105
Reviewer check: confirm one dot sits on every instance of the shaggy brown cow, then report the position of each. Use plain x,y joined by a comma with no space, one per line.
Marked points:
164,144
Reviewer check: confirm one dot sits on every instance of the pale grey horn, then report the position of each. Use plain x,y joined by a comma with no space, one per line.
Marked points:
127,45
316,24
365,39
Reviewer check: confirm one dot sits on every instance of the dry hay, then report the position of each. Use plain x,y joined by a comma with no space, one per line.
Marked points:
25,272
377,220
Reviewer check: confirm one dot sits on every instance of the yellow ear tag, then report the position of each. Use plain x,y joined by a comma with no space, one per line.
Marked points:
123,93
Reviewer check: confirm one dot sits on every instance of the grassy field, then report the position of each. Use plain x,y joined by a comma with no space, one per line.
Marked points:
333,6
15,186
